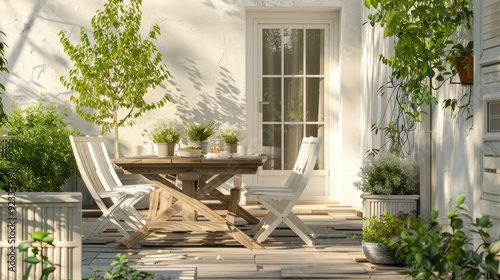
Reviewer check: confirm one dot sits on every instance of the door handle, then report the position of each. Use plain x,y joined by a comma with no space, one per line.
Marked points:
261,105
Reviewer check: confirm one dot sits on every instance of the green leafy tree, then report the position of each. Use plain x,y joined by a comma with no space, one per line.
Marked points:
3,69
116,69
423,33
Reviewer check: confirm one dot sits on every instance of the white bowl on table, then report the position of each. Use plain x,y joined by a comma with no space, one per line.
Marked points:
189,153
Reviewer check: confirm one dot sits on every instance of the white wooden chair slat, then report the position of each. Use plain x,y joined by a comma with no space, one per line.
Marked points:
280,200
114,200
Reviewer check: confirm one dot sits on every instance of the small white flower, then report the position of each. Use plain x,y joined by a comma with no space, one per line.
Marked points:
158,125
231,133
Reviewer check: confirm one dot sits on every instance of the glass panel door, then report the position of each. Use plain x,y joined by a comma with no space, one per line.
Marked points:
292,78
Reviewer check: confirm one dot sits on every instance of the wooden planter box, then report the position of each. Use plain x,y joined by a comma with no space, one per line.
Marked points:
376,205
59,214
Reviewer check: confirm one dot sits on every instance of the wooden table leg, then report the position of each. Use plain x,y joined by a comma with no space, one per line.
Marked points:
188,188
241,212
139,235
154,199
232,207
232,230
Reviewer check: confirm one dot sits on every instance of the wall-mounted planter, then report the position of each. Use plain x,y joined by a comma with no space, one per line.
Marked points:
465,66
376,205
59,214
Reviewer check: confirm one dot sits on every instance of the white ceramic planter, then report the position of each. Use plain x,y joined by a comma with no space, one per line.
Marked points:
165,149
376,205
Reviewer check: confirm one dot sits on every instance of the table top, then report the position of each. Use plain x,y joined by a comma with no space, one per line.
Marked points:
175,165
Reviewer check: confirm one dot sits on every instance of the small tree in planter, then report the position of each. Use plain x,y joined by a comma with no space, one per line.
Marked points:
388,181
116,71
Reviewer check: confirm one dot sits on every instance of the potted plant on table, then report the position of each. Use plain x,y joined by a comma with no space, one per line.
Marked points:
390,183
232,136
199,133
380,231
165,133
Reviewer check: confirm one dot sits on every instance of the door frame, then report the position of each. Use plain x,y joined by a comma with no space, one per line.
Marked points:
256,17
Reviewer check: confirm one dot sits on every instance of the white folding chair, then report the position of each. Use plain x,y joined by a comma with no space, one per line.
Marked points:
115,200
280,200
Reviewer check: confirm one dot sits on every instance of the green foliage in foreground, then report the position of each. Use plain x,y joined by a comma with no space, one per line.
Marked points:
121,270
41,240
440,250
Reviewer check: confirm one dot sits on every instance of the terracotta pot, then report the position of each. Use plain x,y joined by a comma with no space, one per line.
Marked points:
465,66
232,148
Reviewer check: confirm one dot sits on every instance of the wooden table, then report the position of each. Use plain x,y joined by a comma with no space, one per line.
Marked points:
208,175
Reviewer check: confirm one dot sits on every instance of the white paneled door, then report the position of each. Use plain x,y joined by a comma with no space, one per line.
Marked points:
291,75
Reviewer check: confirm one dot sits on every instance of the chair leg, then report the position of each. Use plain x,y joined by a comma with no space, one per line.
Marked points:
264,232
304,236
129,218
95,227
297,221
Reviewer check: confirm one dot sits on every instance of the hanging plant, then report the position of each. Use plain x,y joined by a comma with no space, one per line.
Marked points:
423,32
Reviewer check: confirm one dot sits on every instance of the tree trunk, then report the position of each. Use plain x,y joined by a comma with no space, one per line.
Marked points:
115,126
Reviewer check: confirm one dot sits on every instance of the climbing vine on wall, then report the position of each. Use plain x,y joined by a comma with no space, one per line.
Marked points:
424,48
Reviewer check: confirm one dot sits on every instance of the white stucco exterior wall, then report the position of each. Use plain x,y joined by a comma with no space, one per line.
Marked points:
203,46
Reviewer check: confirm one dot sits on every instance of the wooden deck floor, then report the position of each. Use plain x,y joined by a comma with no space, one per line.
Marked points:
285,257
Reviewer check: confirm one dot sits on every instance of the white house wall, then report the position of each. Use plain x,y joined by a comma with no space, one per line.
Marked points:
456,155
203,46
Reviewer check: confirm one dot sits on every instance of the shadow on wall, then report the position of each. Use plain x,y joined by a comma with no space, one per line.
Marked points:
234,11
226,104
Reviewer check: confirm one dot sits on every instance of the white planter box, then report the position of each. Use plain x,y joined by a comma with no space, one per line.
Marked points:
59,214
376,205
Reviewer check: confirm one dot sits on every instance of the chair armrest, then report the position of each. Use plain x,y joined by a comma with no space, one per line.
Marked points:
283,192
264,187
275,195
107,194
146,187
131,190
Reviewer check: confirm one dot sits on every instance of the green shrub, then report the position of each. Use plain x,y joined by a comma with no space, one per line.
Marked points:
387,174
382,230
436,250
41,152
